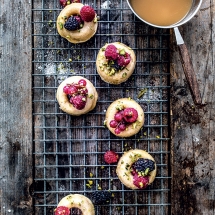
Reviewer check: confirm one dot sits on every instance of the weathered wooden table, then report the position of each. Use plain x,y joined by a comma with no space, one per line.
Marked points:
192,135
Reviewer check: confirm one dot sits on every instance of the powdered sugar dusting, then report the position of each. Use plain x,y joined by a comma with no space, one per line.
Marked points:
150,95
106,5
62,72
59,70
50,69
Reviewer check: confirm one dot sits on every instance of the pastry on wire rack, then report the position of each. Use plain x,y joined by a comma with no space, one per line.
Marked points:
76,95
77,23
115,62
75,201
124,117
136,169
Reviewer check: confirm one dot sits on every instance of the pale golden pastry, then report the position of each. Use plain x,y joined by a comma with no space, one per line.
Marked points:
127,173
75,201
108,67
76,95
124,117
80,35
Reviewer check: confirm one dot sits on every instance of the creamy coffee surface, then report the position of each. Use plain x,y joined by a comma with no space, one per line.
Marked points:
161,12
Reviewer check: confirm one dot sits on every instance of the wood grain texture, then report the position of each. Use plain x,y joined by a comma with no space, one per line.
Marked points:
15,107
190,74
193,127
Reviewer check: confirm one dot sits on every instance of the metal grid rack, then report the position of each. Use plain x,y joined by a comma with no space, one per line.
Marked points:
68,149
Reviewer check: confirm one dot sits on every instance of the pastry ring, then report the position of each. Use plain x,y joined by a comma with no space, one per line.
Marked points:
76,36
124,117
75,201
80,98
109,70
131,178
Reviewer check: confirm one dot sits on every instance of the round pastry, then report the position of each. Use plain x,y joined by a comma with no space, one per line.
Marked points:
76,95
124,117
136,169
75,201
77,22
115,62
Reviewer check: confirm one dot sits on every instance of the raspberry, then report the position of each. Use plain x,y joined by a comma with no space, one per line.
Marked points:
124,60
101,197
63,3
111,52
73,90
78,101
72,24
142,164
70,89
111,157
62,210
130,115
87,13
140,181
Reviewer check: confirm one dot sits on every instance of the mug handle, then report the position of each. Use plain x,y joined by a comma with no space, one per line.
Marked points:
188,68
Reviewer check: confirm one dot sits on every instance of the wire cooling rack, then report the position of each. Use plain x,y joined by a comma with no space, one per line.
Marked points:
68,150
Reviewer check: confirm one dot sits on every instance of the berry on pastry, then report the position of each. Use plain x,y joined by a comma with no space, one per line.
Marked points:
111,157
115,63
124,117
62,210
136,169
76,95
101,197
77,22
81,202
87,13
64,3
73,23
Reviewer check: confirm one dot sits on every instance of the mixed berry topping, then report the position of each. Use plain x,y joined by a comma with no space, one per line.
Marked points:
141,170
101,197
111,157
123,118
62,210
64,3
77,93
87,13
73,23
117,59
76,22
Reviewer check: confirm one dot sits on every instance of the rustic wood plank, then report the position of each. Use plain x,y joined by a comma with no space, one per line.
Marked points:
193,127
15,107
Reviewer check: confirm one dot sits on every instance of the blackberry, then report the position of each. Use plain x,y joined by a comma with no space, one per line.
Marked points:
101,197
72,24
116,66
142,164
